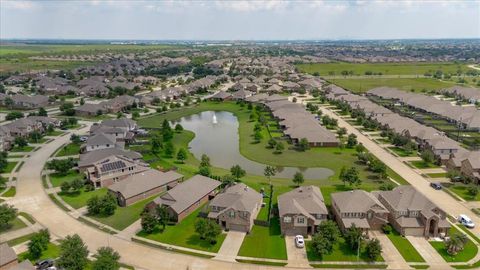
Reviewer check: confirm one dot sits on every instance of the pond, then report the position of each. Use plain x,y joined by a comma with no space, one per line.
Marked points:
220,141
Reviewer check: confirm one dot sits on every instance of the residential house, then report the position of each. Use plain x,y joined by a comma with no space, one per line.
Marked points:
301,210
89,159
101,141
113,169
186,197
28,102
471,167
236,207
8,257
221,96
139,186
89,109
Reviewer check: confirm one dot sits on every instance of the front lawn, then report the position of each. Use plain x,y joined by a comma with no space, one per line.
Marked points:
462,190
401,152
41,140
10,166
469,251
183,234
55,133
437,175
69,150
124,216
420,164
10,192
51,252
57,179
79,199
265,242
16,224
341,252
408,252
27,148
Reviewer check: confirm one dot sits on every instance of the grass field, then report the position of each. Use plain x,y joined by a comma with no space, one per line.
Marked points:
405,84
265,242
69,150
183,234
336,68
341,252
408,252
401,152
57,179
79,199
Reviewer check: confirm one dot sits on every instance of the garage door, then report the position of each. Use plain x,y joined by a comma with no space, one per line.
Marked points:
414,231
237,227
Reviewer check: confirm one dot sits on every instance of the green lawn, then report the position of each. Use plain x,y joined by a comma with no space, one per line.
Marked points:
462,190
350,266
79,199
10,166
437,175
265,242
359,85
69,150
421,68
420,164
468,253
12,226
408,252
55,133
124,216
183,234
41,140
10,192
401,152
20,240
57,179
341,252
52,252
27,148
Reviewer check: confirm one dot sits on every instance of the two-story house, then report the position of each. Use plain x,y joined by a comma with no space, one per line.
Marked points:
113,169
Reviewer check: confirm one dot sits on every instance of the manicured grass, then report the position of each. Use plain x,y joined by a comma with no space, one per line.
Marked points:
58,203
462,191
51,252
475,265
265,242
415,68
408,252
41,140
420,164
27,216
183,234
22,149
437,175
401,152
69,150
20,240
261,262
10,192
79,199
361,85
468,253
341,252
350,266
10,166
124,216
57,179
13,225
55,133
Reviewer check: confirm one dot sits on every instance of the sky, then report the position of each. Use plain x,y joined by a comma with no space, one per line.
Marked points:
239,19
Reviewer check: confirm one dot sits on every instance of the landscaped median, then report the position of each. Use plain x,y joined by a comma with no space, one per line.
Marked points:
469,249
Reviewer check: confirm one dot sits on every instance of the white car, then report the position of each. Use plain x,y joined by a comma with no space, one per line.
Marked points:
299,241
466,221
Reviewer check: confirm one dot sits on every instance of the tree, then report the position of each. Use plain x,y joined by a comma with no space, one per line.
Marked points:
272,143
350,176
77,184
39,243
169,149
359,148
155,144
178,128
163,216
456,243
353,237
204,170
237,171
106,259
20,142
201,227
298,178
108,204
341,131
208,229
257,136
73,253
65,187
373,249
61,166
427,156
42,112
269,171
352,140
323,241
303,145
75,139
7,214
93,205
13,116
279,148
3,161
205,161
181,155
473,191
148,222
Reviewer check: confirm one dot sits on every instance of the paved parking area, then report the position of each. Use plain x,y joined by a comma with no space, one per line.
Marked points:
297,257
230,246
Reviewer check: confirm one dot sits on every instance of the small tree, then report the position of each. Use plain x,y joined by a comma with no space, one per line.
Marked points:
279,148
473,191
456,243
326,236
427,156
20,142
7,215
237,171
163,216
373,249
303,145
341,131
204,170
352,140
38,243
106,259
354,237
155,144
73,253
205,161
257,136
169,149
178,128
93,205
269,171
298,178
148,222
208,229
108,204
272,143
201,227
181,155
61,166
65,187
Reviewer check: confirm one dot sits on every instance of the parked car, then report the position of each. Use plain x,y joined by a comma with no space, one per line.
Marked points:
299,241
83,138
466,221
436,186
44,264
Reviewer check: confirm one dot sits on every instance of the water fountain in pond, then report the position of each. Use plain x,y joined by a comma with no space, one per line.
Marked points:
214,119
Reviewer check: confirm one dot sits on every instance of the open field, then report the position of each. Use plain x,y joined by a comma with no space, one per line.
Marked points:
26,64
407,84
336,68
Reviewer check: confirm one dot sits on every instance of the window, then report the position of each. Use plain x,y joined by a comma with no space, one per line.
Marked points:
301,220
287,219
231,214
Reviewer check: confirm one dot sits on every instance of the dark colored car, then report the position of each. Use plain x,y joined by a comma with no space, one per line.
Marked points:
44,264
436,186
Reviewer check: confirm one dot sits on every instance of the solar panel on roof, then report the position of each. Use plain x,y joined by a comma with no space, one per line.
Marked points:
113,166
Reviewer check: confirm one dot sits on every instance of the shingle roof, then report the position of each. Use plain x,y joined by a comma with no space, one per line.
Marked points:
92,157
238,197
7,254
357,201
304,200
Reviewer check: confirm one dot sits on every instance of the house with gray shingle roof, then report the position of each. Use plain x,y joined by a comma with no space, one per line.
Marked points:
186,197
113,169
142,185
8,257
89,158
236,207
301,210
101,141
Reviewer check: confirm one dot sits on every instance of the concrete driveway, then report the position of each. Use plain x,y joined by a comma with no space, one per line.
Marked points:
230,246
390,252
297,257
426,250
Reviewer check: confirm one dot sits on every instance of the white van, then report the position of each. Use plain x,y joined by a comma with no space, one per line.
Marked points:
466,221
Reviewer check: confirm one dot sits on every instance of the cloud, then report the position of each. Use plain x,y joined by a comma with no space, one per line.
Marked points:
19,5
